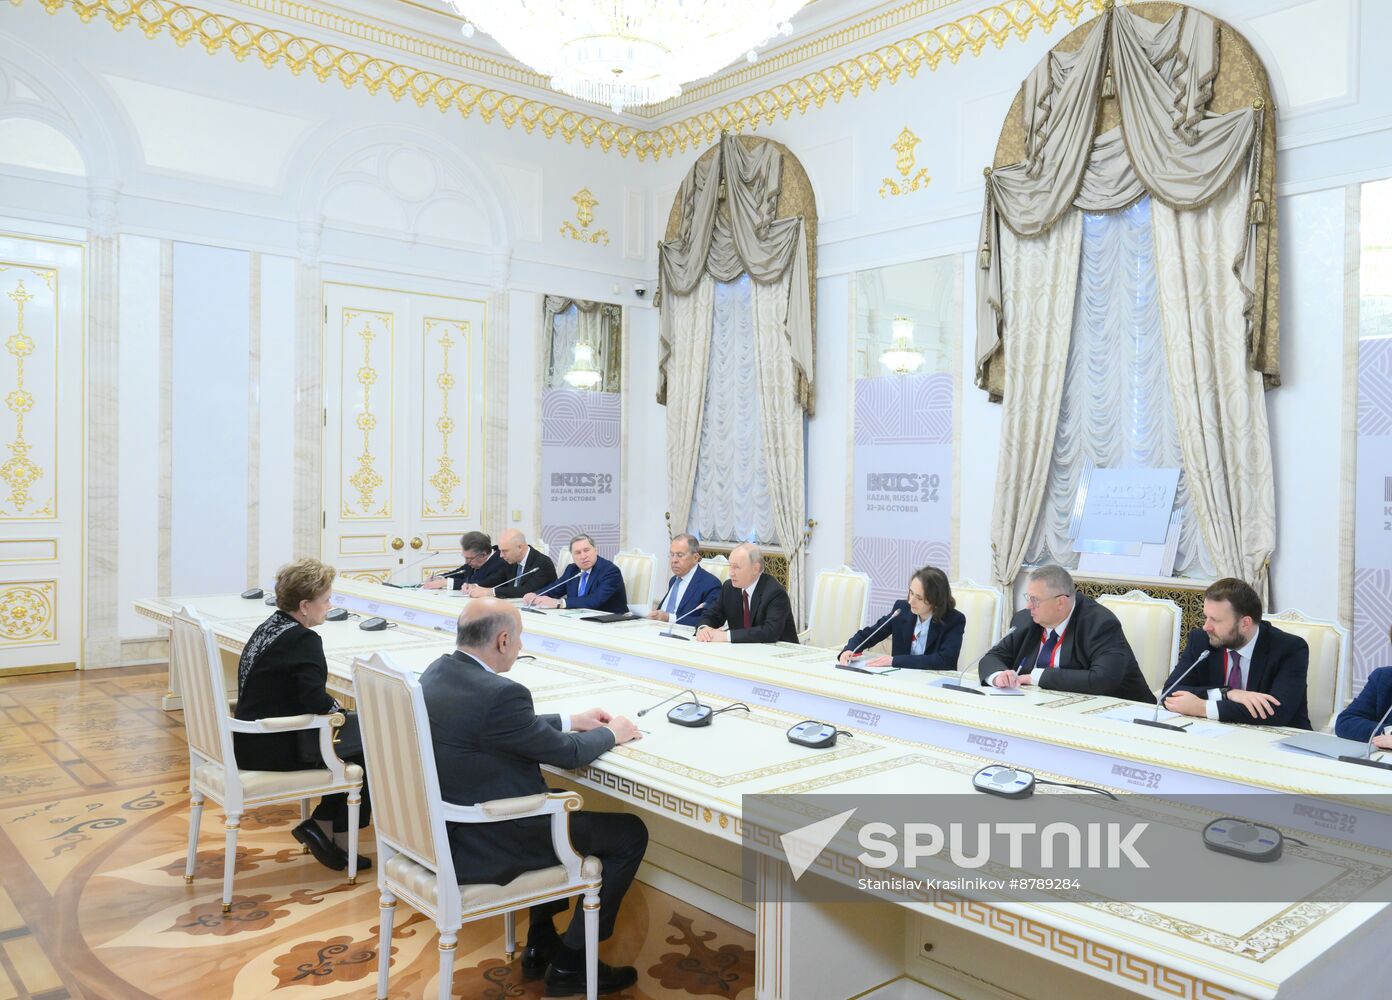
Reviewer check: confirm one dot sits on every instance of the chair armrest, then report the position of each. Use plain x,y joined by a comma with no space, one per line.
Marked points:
326,724
558,805
802,636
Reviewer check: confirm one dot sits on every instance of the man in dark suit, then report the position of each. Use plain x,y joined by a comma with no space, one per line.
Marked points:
489,744
483,566
691,587
1254,672
754,604
1360,720
1064,641
591,581
528,569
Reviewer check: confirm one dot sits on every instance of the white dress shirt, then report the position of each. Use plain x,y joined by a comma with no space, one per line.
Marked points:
1215,695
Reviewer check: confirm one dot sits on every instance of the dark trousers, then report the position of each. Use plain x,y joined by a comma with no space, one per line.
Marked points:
334,808
618,840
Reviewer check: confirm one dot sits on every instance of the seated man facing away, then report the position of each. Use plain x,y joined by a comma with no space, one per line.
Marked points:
754,604
1253,673
1064,641
691,586
528,569
590,581
489,744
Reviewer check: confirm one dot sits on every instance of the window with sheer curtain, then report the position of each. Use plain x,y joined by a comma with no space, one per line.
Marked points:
731,500
1116,410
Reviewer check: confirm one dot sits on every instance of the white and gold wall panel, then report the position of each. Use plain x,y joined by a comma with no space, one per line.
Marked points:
42,319
449,450
366,344
403,428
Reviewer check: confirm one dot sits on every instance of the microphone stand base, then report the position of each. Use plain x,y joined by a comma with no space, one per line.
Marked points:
963,687
1366,762
673,635
535,611
1155,724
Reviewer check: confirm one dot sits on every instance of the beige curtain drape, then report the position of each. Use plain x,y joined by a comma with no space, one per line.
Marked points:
729,227
1200,170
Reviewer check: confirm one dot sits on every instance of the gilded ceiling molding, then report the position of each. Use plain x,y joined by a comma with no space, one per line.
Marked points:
889,63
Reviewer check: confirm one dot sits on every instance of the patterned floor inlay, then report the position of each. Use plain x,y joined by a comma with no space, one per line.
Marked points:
93,827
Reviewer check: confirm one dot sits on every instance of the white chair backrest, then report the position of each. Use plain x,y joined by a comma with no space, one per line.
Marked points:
638,569
718,567
982,608
840,605
1152,629
562,558
193,650
1326,683
400,756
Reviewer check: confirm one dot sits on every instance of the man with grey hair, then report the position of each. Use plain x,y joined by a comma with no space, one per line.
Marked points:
753,606
1064,641
528,569
590,581
691,588
489,744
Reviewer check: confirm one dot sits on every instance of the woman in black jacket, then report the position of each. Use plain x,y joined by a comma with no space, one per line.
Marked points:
926,629
283,672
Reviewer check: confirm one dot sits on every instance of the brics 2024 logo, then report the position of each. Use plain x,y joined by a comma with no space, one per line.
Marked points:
925,484
600,482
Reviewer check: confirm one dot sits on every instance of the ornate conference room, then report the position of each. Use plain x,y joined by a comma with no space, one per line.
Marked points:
776,500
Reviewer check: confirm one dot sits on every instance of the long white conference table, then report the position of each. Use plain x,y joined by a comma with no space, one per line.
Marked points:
909,735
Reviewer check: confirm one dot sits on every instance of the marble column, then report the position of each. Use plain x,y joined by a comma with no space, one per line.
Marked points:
307,496
101,638
495,425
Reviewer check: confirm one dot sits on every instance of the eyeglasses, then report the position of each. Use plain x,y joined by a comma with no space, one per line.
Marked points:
1034,602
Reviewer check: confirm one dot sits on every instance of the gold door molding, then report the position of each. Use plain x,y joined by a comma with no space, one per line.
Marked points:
29,613
366,456
447,452
29,392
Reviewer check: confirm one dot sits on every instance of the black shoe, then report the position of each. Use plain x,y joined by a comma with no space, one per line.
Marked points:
364,862
536,957
612,978
325,851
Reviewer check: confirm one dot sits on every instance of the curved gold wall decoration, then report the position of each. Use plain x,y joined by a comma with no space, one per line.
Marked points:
889,63
904,161
585,204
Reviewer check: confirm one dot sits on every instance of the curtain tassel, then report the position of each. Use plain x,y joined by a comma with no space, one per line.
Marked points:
1258,211
984,257
1108,85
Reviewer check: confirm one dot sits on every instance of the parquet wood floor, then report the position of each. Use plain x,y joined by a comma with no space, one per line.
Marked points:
93,821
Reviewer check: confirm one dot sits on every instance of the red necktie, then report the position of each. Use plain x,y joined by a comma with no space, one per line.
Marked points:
745,595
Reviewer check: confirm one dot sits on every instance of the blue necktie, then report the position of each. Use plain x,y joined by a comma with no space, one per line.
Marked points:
672,597
1046,651
584,582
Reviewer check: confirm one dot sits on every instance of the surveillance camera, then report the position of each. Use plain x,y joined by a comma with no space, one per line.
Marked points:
640,290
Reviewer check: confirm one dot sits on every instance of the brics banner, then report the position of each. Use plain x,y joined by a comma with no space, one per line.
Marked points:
1372,551
902,492
580,441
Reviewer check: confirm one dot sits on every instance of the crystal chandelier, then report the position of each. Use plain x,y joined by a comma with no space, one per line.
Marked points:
625,53
583,374
902,357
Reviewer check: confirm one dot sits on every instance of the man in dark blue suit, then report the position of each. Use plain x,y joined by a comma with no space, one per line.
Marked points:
1254,672
691,587
1360,720
590,581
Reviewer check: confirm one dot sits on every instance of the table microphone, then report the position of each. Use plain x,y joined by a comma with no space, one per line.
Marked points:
1155,722
1367,756
691,714
519,576
957,685
413,562
672,635
565,577
856,652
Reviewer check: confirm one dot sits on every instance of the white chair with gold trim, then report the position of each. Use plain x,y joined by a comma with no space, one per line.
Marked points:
409,816
562,558
982,608
213,771
1327,682
638,569
718,567
840,605
1152,629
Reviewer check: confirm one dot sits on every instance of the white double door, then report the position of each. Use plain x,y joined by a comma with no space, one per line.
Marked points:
404,404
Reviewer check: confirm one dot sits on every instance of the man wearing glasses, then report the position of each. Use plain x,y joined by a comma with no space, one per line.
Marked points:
1064,641
483,565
